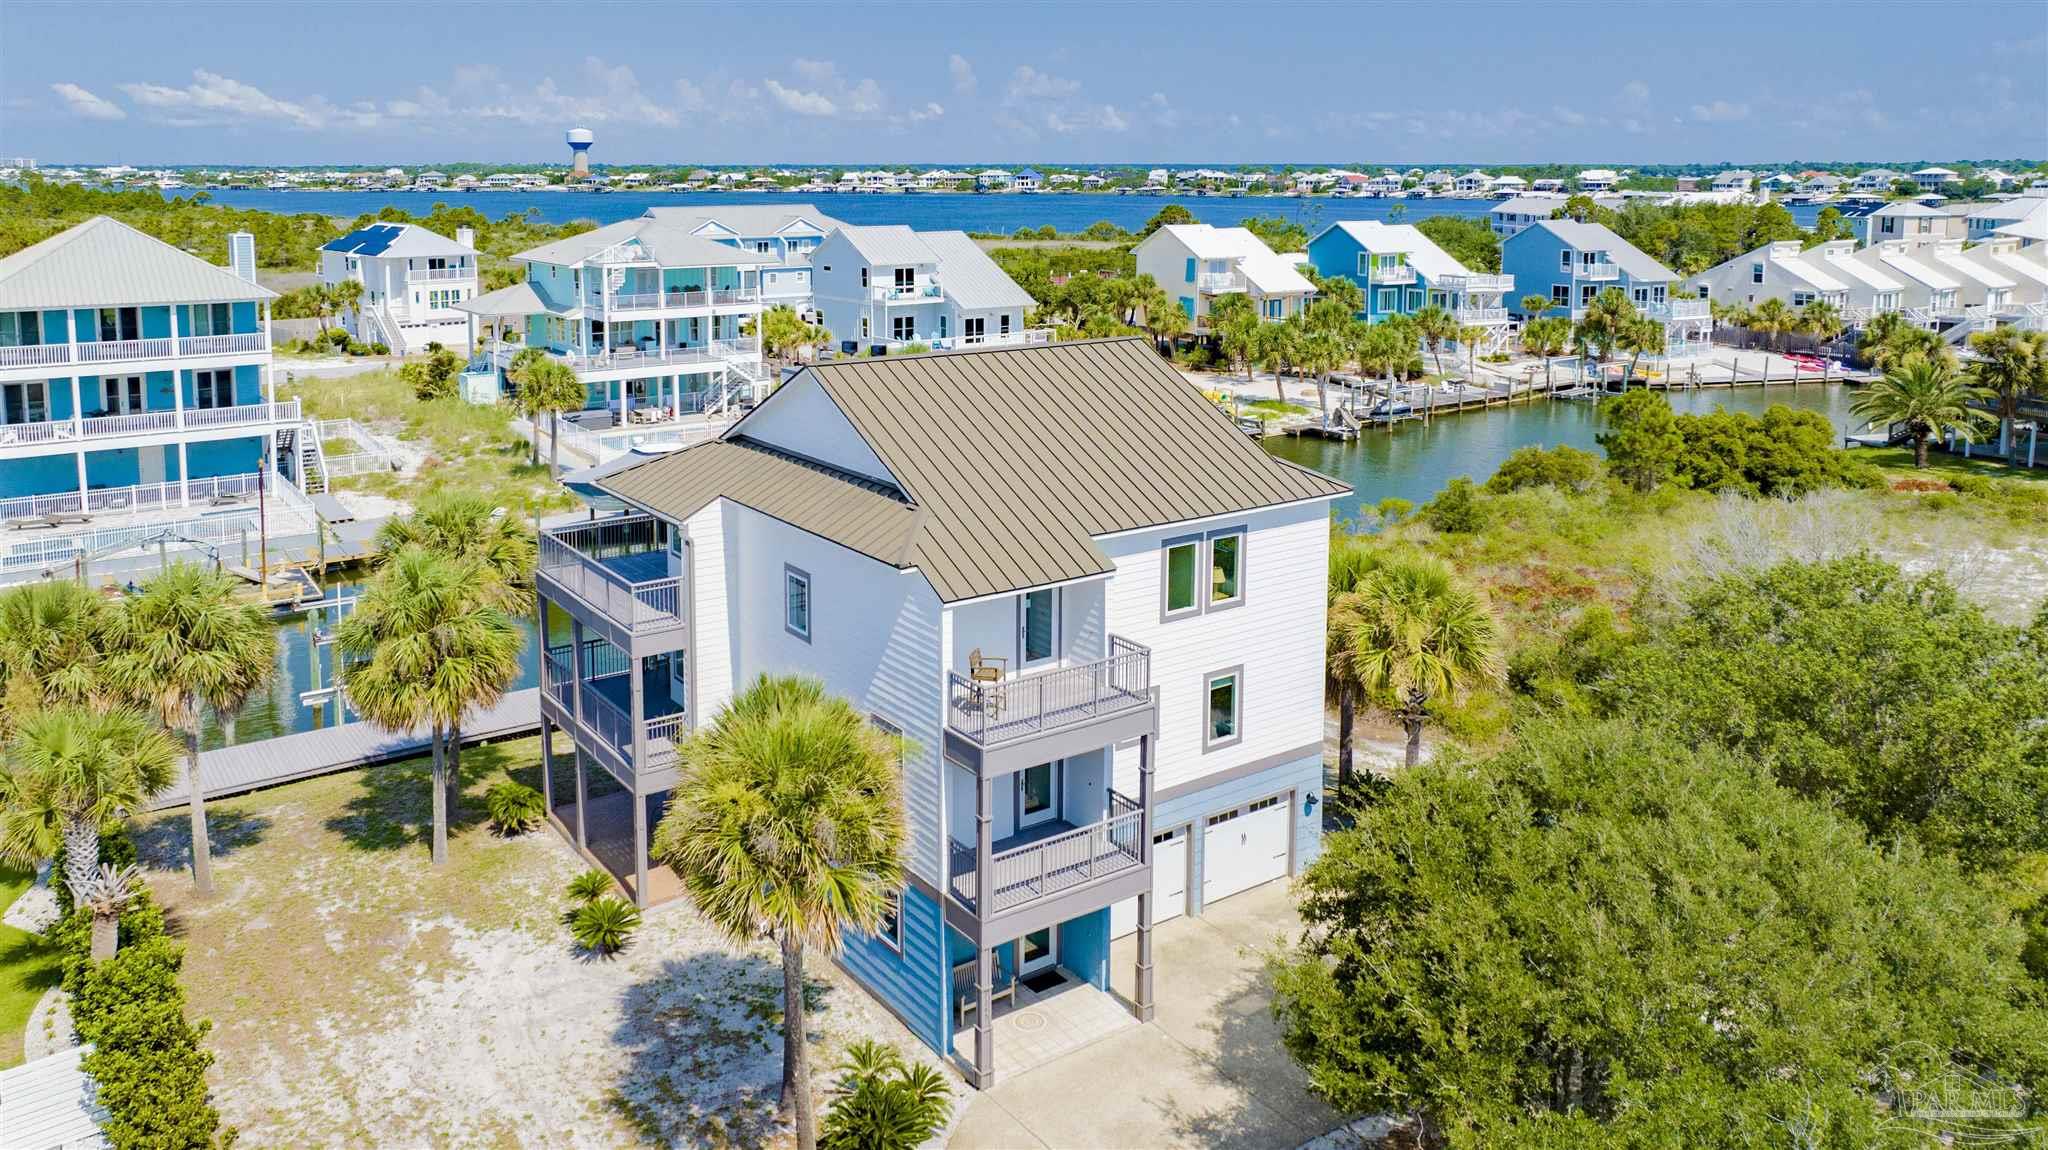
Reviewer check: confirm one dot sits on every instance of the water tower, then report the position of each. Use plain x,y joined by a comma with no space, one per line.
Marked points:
580,140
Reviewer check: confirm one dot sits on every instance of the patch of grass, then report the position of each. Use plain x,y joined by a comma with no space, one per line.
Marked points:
28,967
471,447
1270,408
1898,461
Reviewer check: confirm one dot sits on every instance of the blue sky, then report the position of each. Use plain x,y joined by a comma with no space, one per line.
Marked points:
1098,82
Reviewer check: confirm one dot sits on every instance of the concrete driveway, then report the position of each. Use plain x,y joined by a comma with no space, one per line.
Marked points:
1208,1071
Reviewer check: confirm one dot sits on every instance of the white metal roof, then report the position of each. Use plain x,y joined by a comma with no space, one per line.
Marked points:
1914,269
748,220
1908,208
1859,266
1422,252
2032,267
1800,269
967,274
1269,272
105,263
52,1104
666,243
889,245
1972,269
519,299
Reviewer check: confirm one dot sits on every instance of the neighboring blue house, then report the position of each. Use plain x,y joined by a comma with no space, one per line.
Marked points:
1401,271
1571,263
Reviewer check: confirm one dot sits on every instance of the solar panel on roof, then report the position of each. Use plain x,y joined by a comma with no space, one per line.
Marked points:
368,241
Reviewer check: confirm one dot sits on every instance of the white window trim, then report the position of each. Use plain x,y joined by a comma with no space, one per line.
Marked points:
1208,586
810,627
892,939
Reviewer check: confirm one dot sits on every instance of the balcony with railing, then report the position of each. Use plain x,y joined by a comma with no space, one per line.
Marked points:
651,357
105,427
1597,270
436,275
1477,284
1390,274
604,715
617,568
1218,283
921,289
1032,704
1051,858
679,299
1481,316
129,350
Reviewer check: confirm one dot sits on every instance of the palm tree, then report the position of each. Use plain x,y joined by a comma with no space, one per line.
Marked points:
1416,634
105,895
1168,324
1351,560
1320,351
348,296
1282,347
1929,396
427,643
785,336
1534,305
2012,364
51,647
1822,320
1601,325
70,771
787,823
321,296
525,396
1643,337
1889,340
1435,324
181,642
551,386
1771,318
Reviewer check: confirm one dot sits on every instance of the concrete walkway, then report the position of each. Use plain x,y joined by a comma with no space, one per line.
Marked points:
1209,1071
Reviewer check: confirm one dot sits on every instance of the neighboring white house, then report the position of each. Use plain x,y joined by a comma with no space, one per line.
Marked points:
1595,180
1198,263
1472,183
1774,271
1909,220
787,233
1936,179
412,279
1985,219
878,289
1100,640
1876,180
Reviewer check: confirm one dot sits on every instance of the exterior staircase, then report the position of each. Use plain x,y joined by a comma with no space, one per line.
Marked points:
299,454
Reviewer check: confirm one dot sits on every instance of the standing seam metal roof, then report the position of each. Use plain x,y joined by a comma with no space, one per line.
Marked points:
1013,459
106,263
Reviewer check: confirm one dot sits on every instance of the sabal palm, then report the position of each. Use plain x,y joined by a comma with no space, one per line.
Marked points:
1886,345
1351,561
425,644
1822,320
1416,633
71,770
787,823
550,386
52,647
1771,318
2011,365
181,643
1320,351
1601,325
1643,337
463,526
1929,396
525,396
1436,325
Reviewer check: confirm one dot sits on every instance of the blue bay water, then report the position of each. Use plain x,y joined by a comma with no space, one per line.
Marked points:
926,211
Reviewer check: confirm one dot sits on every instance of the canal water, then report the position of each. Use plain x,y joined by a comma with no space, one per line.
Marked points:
1411,462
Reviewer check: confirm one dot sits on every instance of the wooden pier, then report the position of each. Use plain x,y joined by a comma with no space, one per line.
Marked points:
288,758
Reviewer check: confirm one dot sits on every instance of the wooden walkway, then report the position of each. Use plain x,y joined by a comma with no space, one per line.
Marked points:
268,762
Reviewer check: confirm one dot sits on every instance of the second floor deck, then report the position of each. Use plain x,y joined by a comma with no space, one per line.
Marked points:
613,575
1009,719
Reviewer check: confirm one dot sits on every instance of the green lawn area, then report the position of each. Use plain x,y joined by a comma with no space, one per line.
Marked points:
1941,464
472,446
28,967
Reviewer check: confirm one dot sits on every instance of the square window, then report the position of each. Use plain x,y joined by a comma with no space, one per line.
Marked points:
1561,295
1226,569
1223,711
1180,576
796,603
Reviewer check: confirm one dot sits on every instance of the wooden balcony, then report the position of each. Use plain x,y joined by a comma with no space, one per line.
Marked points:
613,574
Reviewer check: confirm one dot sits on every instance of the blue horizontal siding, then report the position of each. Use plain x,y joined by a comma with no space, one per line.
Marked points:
913,983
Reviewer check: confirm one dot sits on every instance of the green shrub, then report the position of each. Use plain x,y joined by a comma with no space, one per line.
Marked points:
380,348
881,1103
590,885
357,348
1563,467
515,808
603,926
1456,510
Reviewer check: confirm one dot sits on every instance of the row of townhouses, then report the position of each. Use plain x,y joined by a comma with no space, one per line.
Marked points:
1100,638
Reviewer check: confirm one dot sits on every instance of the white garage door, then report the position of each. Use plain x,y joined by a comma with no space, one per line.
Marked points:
1244,847
1169,884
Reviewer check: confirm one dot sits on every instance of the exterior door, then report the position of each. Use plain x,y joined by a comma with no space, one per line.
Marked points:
149,463
1038,627
27,402
1037,951
123,394
1169,884
1038,794
1244,847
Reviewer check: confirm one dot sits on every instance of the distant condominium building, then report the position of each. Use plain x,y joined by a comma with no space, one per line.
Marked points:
138,404
1198,264
412,281
1937,283
1401,271
882,289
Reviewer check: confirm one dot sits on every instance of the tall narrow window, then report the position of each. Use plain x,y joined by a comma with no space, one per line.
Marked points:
1226,569
796,603
1180,577
1224,711
1038,625
890,932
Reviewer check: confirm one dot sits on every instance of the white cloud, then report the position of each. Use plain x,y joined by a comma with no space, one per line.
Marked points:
86,104
1028,85
963,74
931,111
215,99
1720,112
1161,110
1042,100
1569,117
801,102
604,94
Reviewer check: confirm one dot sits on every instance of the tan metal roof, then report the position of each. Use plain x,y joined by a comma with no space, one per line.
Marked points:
856,513
1013,459
105,263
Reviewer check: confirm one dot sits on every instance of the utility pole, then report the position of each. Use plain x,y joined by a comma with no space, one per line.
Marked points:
263,521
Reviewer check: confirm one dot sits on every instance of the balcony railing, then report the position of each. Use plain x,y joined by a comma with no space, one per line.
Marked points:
581,559
116,351
921,291
424,275
603,718
1688,308
1481,315
214,491
1601,270
1477,284
1024,874
1393,274
146,422
1033,704
714,354
1219,282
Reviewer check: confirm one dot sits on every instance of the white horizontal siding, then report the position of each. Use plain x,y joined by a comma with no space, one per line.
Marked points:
799,417
710,621
1276,636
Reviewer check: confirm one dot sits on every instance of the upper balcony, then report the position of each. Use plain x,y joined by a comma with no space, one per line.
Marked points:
1481,316
439,275
1597,270
1047,713
1477,284
597,708
612,574
1390,274
1220,283
650,358
132,350
921,289
674,299
1028,869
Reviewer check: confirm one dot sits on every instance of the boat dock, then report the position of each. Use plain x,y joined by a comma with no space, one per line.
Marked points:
268,762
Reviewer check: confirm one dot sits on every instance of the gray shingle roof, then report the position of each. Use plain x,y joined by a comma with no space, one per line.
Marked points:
1012,460
1600,237
105,263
